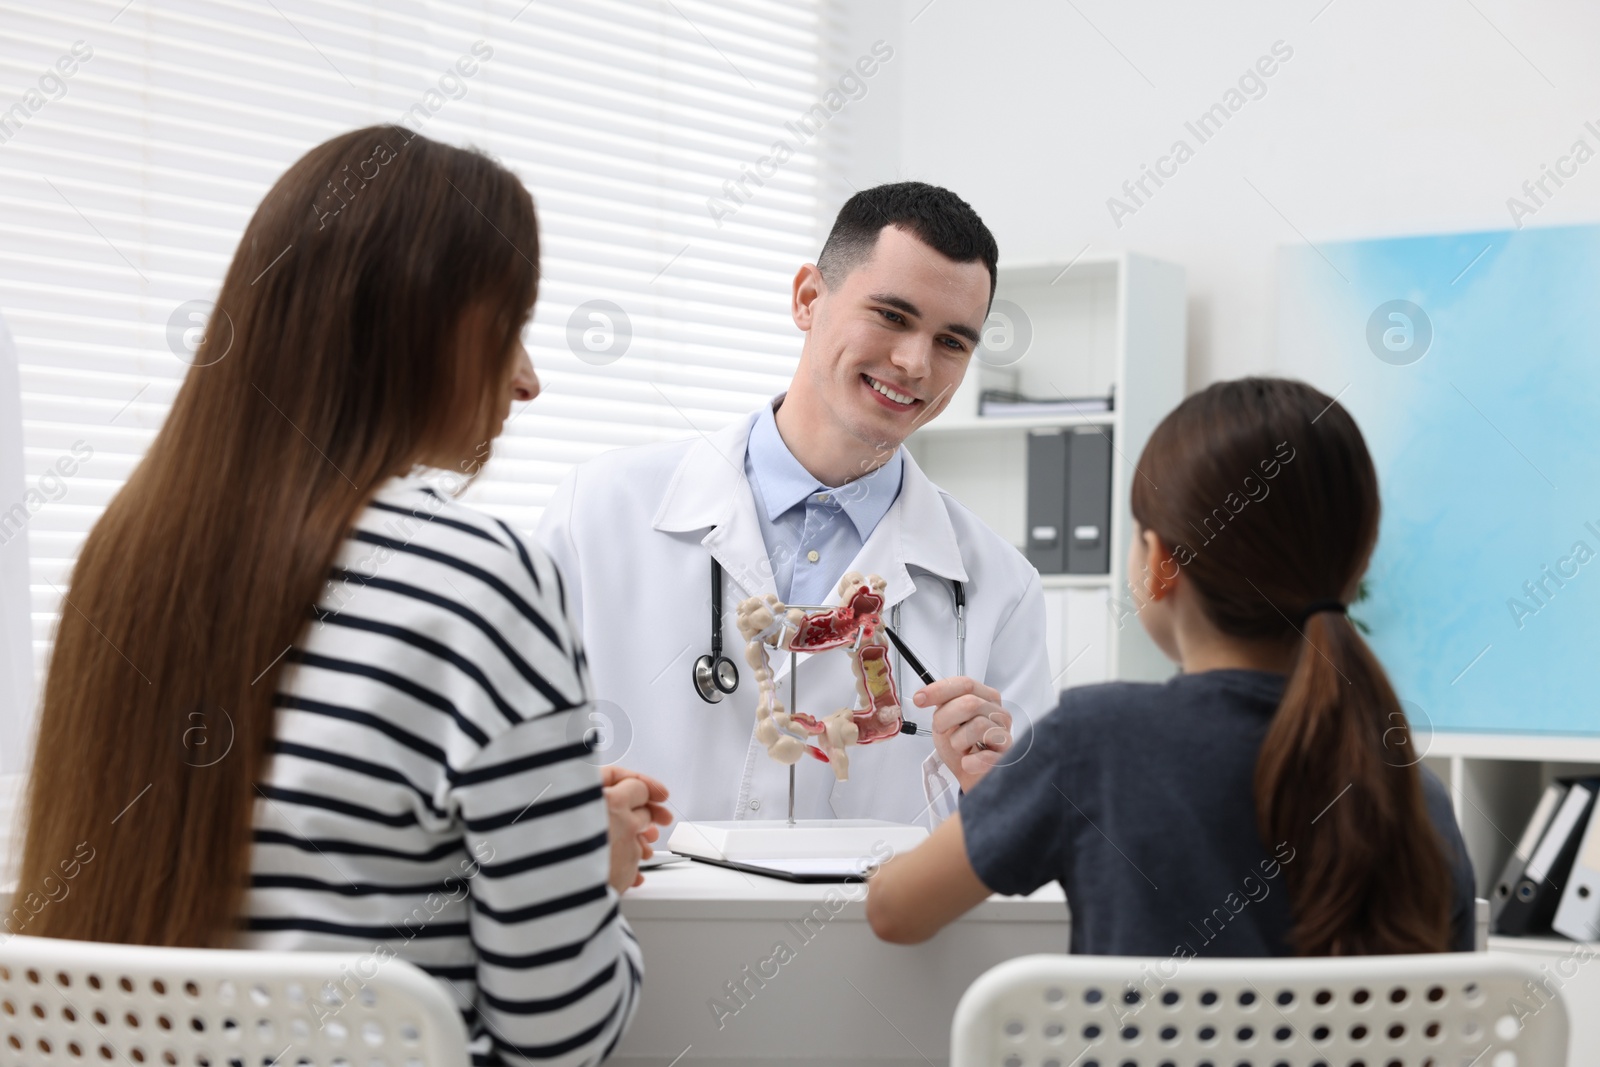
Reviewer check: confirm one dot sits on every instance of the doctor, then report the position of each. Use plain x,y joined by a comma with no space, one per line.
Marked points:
787,500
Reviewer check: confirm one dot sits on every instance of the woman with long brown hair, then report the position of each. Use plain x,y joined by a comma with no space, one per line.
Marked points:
299,697
1269,799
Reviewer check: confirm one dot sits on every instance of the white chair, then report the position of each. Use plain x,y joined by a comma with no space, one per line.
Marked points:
78,1002
1445,1010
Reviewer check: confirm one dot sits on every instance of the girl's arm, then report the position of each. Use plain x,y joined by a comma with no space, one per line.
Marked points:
915,895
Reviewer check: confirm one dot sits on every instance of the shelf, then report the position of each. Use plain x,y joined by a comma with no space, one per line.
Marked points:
1106,267
1554,748
996,424
1543,944
1075,581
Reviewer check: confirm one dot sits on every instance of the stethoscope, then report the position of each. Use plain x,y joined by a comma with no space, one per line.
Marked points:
716,676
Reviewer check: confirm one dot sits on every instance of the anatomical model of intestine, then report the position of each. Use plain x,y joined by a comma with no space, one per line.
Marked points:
765,622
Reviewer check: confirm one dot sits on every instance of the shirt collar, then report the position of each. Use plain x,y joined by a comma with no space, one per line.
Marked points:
785,483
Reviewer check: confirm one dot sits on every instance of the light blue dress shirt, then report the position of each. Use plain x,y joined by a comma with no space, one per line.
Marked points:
812,531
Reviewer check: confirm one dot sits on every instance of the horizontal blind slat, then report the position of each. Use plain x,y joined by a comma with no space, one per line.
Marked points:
637,126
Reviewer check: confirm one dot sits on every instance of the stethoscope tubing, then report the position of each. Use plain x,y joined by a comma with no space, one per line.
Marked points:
715,675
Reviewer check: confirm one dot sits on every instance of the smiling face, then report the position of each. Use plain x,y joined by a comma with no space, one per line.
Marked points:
886,346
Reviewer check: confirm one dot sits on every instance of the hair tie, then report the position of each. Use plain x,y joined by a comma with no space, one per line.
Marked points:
1320,605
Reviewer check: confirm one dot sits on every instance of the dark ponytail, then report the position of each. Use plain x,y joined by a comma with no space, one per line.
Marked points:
1268,503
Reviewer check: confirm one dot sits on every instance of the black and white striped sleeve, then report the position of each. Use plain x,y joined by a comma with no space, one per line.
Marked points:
558,971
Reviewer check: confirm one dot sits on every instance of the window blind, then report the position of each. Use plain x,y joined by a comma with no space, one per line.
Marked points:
136,139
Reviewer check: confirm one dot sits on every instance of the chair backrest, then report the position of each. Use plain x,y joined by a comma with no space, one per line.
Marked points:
1446,1010
77,1002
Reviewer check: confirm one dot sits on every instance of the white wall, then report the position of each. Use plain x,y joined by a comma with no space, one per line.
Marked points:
1389,119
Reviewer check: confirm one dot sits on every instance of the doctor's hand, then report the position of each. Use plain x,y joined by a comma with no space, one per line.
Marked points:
971,731
635,809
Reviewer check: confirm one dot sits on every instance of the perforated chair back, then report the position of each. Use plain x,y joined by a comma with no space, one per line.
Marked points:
1445,1010
80,1003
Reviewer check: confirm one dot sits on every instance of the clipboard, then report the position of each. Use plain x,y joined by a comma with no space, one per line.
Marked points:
806,871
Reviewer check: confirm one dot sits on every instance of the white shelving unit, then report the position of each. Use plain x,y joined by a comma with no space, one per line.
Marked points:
1100,324
1496,779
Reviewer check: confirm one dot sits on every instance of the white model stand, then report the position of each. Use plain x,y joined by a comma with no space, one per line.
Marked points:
754,840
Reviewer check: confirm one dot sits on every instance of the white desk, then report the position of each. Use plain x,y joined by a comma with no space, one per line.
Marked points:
834,994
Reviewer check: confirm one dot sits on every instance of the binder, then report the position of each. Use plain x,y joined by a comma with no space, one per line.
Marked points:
1538,893
1069,500
1554,794
1578,916
1089,501
1047,501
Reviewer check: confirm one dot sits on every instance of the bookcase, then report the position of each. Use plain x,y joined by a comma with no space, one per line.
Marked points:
1113,323
1496,780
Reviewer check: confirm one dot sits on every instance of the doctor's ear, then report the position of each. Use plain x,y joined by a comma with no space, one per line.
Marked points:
808,287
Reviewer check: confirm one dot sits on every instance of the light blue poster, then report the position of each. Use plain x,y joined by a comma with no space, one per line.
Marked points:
1472,364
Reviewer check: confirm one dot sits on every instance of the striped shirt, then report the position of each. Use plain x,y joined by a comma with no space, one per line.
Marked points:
429,793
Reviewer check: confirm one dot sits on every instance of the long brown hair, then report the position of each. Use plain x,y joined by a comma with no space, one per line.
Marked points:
1264,493
368,317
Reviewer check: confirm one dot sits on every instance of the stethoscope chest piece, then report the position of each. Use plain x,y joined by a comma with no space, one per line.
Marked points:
715,675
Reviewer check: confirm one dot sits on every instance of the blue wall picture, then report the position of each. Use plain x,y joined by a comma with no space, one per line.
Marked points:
1472,364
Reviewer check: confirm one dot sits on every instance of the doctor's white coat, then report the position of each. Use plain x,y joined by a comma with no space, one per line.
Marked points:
633,532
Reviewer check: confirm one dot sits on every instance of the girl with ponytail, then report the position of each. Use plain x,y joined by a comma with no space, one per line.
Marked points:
1267,800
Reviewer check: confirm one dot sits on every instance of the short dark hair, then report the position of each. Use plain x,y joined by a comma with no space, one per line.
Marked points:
937,217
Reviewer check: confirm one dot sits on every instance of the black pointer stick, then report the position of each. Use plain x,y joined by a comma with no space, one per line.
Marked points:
917,668
909,656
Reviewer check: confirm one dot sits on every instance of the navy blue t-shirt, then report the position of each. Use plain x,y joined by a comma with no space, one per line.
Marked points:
1139,799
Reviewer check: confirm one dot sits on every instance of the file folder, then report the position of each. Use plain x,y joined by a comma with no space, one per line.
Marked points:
1047,501
1069,500
1578,916
1088,541
1511,874
1538,893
